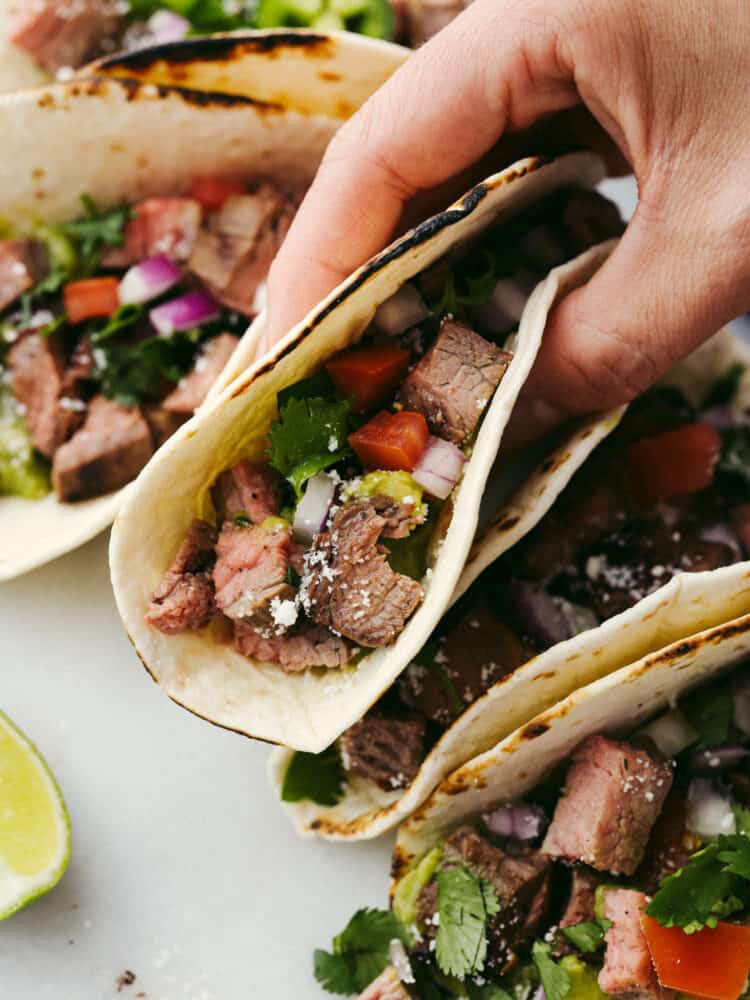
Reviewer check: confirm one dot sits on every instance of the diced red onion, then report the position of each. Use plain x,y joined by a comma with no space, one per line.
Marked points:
148,280
401,311
671,734
312,510
709,810
186,313
723,534
717,759
518,820
167,26
742,701
439,468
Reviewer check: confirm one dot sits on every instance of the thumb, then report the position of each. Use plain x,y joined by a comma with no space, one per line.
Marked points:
678,274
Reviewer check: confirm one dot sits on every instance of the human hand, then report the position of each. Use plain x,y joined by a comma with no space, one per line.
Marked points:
666,81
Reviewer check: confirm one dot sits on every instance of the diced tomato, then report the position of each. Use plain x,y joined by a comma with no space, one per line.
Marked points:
712,963
391,441
368,374
92,298
212,192
674,463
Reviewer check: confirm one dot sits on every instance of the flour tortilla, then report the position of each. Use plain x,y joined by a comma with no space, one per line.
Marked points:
121,141
309,711
688,603
613,705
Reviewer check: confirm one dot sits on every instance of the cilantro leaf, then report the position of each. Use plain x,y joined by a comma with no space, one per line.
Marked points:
309,436
96,231
360,953
409,555
710,713
713,884
317,777
465,903
123,320
132,373
742,820
555,979
588,935
204,15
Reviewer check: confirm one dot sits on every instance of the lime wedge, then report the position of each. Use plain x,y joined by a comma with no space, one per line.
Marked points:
34,824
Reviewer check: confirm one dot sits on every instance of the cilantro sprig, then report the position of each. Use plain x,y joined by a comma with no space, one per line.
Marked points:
465,905
309,436
360,953
316,777
555,979
710,713
96,231
714,884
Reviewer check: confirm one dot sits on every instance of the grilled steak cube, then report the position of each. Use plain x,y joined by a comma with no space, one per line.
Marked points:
108,451
521,879
613,796
66,33
628,972
185,597
454,381
580,906
37,366
22,264
348,584
168,226
233,254
386,751
163,424
250,577
474,655
303,647
192,390
252,490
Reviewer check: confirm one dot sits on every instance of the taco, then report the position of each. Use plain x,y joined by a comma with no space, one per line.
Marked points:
313,525
601,850
48,37
645,543
130,265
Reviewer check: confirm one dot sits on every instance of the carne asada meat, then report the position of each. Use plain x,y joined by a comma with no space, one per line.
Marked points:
248,489
168,226
454,381
580,906
22,264
303,647
670,844
37,365
185,597
192,390
521,879
250,577
628,972
163,423
474,655
233,254
67,33
108,451
386,751
613,795
348,584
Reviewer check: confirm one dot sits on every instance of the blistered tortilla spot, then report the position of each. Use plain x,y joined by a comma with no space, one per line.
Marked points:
344,109
38,173
547,675
399,863
508,523
329,76
534,730
47,100
40,194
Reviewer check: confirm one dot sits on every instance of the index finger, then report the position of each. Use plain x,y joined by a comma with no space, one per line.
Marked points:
494,67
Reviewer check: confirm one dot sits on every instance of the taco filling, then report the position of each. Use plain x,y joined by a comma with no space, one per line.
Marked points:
114,326
626,874
667,492
319,553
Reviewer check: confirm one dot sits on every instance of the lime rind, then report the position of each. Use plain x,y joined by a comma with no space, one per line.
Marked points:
19,890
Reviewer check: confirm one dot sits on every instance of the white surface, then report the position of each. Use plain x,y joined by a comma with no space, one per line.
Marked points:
184,869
